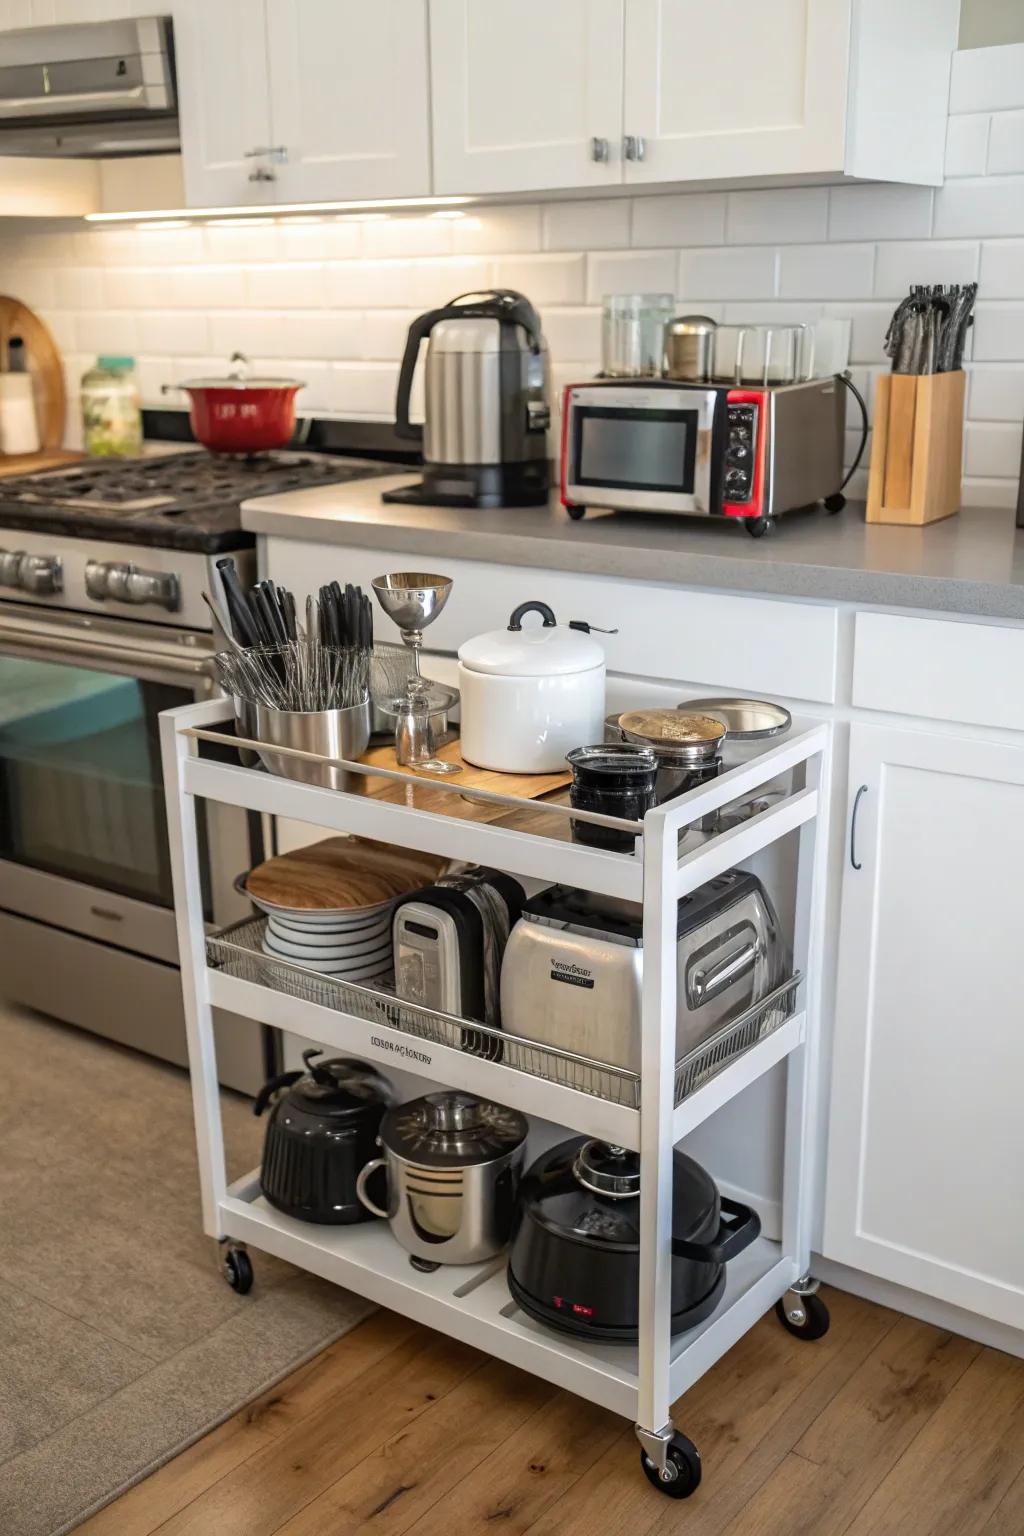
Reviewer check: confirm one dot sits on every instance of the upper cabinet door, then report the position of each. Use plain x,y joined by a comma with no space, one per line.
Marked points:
349,91
526,94
224,93
744,89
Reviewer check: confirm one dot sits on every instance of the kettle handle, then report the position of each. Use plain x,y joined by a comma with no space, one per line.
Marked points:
361,1178
266,1093
737,1228
420,327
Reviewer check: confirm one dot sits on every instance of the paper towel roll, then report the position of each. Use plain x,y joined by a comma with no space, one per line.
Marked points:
19,430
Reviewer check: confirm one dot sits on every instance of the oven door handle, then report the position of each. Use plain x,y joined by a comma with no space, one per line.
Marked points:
23,640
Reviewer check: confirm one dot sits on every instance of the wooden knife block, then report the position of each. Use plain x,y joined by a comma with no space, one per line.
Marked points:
917,448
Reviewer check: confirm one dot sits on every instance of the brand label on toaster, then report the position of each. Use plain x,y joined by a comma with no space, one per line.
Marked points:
572,975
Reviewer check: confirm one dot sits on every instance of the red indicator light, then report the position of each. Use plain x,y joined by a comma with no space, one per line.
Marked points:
557,1301
582,1311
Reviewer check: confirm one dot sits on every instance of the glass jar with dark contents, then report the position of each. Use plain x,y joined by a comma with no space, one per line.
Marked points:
688,749
615,779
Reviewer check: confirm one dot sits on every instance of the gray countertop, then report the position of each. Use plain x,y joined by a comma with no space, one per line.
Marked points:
969,564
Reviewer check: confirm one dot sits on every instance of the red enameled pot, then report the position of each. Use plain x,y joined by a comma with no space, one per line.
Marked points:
238,414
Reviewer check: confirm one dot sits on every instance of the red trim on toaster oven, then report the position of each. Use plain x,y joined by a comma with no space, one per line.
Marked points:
565,443
753,507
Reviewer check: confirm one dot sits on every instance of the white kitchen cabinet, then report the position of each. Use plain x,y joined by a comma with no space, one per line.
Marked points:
526,94
925,1181
287,101
224,100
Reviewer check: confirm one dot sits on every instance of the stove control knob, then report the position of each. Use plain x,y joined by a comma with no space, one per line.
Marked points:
41,575
117,581
10,567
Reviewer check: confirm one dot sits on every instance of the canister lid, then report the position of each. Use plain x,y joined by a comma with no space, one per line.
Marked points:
452,1129
547,649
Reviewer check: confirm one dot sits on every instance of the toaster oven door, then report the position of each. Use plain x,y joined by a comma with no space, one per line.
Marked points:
641,448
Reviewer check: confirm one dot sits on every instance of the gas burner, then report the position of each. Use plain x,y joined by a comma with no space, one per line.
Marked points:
192,496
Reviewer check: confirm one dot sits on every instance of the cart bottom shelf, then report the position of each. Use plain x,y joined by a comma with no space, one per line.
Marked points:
472,1303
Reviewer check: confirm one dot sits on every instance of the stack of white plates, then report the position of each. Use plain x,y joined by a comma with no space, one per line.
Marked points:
354,943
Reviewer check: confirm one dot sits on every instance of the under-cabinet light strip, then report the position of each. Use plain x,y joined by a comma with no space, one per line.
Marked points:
275,210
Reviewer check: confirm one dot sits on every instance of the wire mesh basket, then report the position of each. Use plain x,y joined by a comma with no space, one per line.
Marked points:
238,951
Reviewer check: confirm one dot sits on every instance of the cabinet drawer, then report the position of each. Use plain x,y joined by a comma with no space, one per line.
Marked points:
940,669
718,640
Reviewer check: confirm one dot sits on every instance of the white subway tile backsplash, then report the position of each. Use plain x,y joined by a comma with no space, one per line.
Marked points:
754,312
987,79
205,287
992,449
34,286
996,394
998,332
407,236
967,144
630,272
544,279
573,335
971,208
694,218
173,331
304,239
331,335
826,271
586,226
498,231
364,389
432,282
79,287
1002,269
344,239
867,330
879,213
932,261
239,240
299,285
976,492
61,326
248,331
385,332
107,332
1006,144
728,273
789,215
137,287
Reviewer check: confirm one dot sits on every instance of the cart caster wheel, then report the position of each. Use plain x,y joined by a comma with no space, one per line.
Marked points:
238,1270
834,503
682,1469
576,512
757,527
425,1266
806,1317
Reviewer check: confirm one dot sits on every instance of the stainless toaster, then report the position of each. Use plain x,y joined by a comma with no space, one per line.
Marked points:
573,967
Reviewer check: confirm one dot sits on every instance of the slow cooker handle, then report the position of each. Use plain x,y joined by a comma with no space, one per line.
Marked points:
738,1226
546,613
283,1080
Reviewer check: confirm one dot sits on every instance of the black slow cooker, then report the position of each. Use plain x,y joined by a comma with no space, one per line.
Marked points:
320,1133
575,1257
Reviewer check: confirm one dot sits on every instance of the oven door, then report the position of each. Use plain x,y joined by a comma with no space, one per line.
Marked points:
83,831
640,447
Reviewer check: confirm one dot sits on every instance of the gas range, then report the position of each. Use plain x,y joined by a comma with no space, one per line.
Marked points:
175,501
136,539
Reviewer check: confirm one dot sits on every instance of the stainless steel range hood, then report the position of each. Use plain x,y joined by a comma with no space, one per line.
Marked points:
101,89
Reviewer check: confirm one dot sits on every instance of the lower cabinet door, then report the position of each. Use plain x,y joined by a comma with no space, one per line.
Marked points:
925,1181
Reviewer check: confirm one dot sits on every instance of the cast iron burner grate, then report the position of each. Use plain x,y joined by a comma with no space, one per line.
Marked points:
170,485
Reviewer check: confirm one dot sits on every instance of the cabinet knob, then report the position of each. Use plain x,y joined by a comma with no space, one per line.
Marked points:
634,146
599,149
261,173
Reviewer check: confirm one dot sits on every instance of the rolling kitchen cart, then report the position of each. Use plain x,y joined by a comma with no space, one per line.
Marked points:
649,1111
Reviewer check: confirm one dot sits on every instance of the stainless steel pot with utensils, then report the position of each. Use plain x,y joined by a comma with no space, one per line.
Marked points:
336,733
453,1164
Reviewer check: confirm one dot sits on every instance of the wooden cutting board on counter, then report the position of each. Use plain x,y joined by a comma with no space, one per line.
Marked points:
47,374
421,790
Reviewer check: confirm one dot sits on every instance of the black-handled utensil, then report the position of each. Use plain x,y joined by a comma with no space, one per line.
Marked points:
245,631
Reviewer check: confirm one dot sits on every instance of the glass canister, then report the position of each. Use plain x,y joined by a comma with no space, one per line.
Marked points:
111,412
633,334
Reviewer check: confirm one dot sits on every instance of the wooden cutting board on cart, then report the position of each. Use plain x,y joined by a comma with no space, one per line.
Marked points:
342,872
421,789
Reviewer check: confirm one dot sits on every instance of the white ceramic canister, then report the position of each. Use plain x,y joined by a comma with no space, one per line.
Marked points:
530,695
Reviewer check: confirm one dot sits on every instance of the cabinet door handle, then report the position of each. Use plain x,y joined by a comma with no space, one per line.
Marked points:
598,149
853,826
634,146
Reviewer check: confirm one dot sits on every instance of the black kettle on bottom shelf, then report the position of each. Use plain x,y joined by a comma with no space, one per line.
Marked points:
320,1133
575,1257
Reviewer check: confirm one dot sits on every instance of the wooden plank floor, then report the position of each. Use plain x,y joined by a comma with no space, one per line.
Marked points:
885,1426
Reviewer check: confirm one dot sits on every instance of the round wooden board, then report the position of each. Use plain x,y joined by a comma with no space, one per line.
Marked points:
44,365
341,873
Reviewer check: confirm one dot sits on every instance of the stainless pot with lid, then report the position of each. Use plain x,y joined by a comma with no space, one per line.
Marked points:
453,1164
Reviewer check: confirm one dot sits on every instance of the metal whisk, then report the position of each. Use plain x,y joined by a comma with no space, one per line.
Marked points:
303,675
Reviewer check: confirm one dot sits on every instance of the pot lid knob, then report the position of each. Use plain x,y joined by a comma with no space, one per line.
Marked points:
607,1170
453,1112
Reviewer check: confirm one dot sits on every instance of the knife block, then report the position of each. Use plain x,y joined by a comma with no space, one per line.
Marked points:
917,448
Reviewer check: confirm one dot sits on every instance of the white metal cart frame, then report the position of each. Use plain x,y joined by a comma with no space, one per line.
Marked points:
474,1304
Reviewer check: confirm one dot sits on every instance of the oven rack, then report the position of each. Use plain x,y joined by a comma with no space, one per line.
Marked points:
238,952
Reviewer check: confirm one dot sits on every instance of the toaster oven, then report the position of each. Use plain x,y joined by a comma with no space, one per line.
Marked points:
707,450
